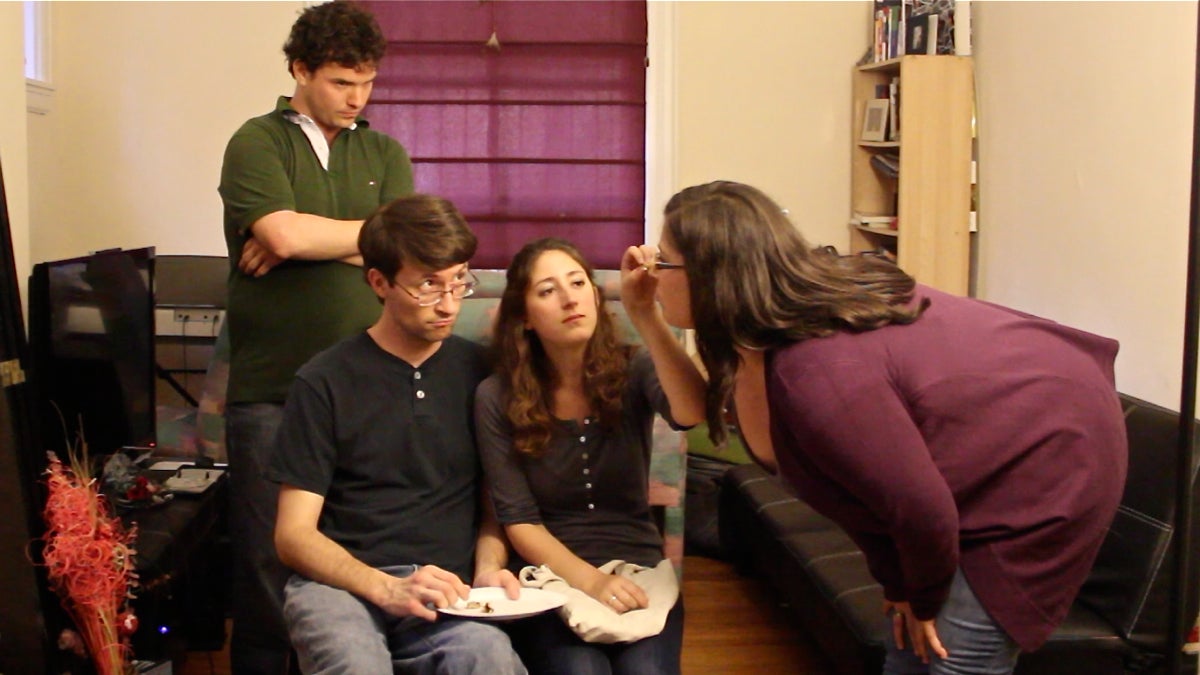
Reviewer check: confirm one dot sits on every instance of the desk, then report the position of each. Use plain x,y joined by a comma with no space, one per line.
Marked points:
181,563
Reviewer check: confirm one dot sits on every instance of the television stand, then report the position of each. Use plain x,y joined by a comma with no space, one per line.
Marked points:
182,564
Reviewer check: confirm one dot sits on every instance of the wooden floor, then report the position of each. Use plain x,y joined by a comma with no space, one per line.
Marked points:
732,627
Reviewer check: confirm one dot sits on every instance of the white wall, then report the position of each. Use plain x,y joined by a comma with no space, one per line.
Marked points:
13,136
147,95
1084,117
1085,126
764,98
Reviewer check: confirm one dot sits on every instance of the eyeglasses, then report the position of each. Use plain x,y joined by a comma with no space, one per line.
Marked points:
660,264
458,290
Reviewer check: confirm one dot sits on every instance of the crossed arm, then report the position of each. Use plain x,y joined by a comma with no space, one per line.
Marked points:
288,235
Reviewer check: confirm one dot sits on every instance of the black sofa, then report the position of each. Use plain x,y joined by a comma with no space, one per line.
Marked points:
1117,625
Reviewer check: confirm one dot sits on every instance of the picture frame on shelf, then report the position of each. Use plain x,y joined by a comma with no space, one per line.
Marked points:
922,34
941,41
875,120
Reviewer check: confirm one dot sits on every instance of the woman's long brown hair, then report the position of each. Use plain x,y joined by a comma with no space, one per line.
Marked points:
528,375
757,284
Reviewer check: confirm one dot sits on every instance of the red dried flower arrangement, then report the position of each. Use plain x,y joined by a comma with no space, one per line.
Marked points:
88,556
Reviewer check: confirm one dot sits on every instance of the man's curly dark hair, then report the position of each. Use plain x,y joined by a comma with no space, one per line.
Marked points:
337,32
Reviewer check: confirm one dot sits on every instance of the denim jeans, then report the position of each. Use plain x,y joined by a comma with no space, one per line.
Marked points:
259,644
336,632
549,647
975,643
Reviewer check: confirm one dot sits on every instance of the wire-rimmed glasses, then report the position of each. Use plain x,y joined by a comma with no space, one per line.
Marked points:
458,290
660,264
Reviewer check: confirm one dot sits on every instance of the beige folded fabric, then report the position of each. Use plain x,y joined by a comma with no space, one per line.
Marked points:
593,621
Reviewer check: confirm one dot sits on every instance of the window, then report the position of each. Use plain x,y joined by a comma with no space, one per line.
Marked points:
39,94
529,116
36,62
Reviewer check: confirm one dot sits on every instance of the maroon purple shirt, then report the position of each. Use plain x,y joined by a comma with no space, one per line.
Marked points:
977,437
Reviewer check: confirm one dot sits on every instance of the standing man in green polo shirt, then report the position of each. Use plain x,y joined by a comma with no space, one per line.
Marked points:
296,185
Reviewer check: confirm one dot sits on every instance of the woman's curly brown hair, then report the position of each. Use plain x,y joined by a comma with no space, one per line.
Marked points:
529,377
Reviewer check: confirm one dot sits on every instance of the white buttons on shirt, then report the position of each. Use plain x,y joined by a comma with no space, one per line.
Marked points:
583,439
420,394
417,375
586,471
591,507
587,485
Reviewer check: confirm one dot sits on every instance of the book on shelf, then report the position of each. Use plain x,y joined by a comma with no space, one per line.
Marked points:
920,27
889,159
886,163
894,110
873,222
889,28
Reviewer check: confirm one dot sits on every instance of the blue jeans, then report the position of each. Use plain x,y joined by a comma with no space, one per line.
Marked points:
336,632
975,643
259,644
549,647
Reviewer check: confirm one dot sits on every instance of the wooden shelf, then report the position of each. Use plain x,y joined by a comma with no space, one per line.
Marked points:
932,194
878,231
888,65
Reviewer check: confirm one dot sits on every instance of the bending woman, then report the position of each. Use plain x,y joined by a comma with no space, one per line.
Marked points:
977,455
564,430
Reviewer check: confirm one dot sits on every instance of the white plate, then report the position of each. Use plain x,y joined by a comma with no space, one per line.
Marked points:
532,601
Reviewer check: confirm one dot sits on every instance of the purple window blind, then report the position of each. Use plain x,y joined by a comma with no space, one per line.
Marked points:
544,135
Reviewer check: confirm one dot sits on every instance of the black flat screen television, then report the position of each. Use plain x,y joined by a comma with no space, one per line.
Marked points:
91,334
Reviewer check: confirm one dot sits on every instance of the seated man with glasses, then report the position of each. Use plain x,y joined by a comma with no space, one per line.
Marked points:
380,513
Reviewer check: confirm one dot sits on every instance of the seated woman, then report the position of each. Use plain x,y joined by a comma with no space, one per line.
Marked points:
564,429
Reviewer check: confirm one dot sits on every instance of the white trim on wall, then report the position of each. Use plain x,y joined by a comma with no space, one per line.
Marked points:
39,87
661,121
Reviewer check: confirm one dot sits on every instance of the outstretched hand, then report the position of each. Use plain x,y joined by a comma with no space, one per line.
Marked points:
639,284
922,635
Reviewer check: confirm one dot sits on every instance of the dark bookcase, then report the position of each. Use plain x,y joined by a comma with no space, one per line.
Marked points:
28,604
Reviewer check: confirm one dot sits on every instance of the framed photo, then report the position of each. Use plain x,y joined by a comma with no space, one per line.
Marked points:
875,120
921,34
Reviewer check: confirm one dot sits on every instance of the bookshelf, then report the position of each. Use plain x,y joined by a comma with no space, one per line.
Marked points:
931,196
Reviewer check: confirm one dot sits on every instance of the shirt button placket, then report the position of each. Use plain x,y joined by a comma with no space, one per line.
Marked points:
420,392
587,485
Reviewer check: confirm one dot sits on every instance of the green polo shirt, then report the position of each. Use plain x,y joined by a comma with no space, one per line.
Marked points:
280,320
